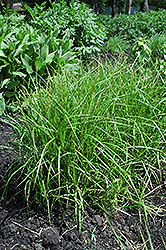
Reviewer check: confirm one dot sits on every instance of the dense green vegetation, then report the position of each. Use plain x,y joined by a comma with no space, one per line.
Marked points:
50,39
87,133
105,3
132,27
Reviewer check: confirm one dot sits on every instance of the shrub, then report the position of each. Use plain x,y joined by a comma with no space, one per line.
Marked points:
76,20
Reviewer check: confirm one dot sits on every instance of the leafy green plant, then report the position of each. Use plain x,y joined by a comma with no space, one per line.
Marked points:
26,52
141,50
51,39
2,104
77,20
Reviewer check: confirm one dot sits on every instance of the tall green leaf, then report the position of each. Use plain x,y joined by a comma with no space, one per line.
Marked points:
2,104
26,60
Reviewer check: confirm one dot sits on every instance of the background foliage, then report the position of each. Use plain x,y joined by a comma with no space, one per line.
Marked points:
50,39
132,27
76,20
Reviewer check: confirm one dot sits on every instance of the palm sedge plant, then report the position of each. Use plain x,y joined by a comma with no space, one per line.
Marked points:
95,137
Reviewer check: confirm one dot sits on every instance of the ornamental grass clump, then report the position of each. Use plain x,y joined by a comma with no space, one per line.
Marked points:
96,137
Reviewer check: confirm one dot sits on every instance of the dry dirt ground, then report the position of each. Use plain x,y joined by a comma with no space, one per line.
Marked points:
23,229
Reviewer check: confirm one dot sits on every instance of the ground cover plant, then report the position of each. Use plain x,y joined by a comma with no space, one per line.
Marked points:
93,135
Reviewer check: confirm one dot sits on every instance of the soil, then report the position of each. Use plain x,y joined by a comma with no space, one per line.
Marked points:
29,228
